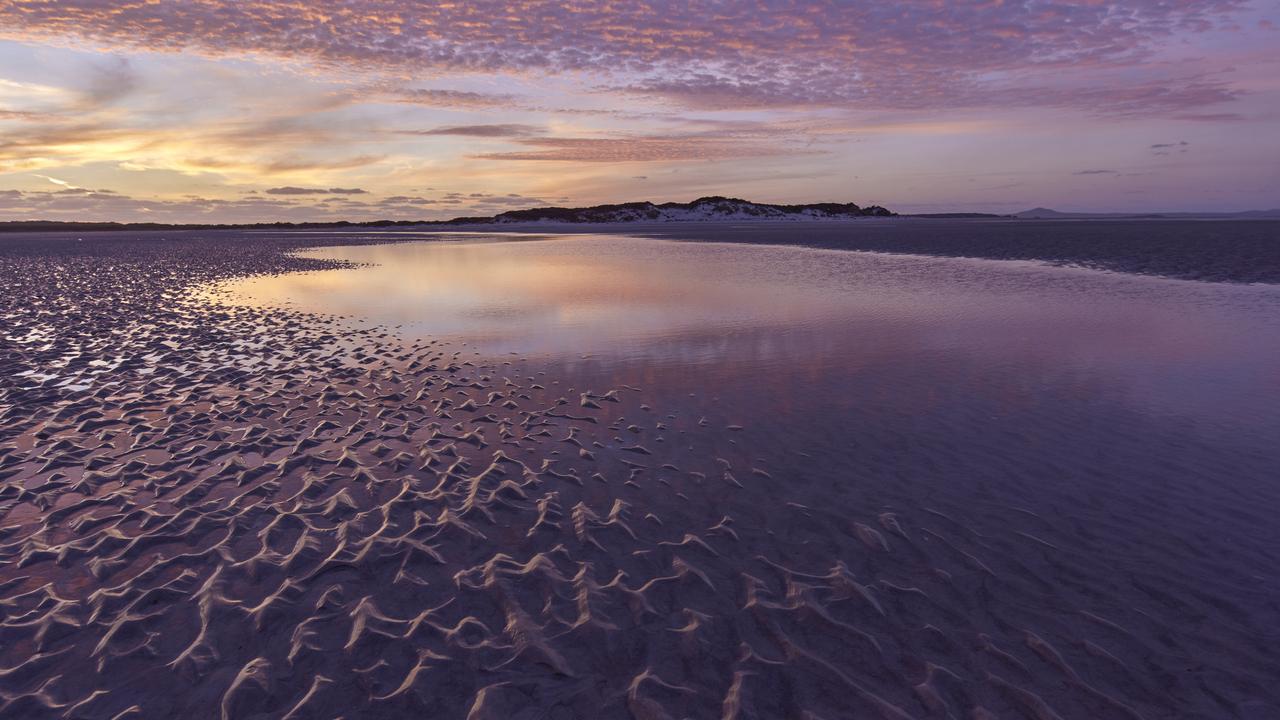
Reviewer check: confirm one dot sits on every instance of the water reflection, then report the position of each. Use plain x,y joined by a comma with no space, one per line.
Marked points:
785,315
994,449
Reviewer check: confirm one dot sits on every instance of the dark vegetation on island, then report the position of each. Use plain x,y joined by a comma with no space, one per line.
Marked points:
706,207
1233,249
709,207
712,207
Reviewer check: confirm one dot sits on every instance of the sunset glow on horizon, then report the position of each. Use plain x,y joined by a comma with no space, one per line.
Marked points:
221,111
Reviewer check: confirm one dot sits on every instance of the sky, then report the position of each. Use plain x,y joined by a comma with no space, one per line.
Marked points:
244,110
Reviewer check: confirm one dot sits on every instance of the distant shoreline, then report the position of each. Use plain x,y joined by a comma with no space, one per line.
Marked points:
710,208
1209,249
37,226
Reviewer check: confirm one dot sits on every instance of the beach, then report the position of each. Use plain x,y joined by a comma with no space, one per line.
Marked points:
215,506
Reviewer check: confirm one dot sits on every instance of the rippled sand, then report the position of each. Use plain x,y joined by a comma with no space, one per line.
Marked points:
218,511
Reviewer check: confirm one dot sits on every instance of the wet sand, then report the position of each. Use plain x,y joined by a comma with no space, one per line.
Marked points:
1214,250
225,511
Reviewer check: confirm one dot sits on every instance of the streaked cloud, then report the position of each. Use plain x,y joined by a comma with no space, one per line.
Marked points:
337,108
434,97
874,54
290,190
492,131
639,149
58,182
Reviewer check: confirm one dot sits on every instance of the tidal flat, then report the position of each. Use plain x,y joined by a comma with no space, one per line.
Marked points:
573,473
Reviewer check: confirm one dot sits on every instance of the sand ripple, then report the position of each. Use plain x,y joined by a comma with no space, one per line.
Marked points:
212,511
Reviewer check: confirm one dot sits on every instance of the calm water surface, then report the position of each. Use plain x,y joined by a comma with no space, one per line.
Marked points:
1078,464
762,323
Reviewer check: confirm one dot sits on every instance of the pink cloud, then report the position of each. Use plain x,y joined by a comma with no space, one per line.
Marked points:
913,53
654,148
431,97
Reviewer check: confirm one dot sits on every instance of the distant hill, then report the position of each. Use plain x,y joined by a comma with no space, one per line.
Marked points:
700,210
1042,213
705,209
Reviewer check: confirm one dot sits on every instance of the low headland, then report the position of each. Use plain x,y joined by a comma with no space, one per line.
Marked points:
1216,247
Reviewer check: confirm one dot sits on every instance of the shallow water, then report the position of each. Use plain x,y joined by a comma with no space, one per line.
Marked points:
842,484
766,318
601,477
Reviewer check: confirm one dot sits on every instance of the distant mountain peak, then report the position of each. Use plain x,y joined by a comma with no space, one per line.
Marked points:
1040,212
1043,213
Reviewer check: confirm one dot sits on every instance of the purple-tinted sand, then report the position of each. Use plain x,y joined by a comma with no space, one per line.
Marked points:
317,475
